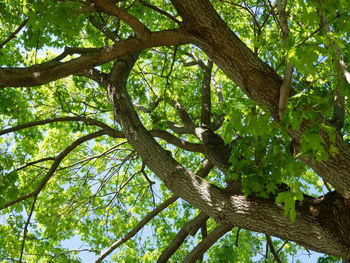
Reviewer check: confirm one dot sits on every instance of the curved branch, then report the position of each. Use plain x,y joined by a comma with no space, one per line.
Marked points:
139,28
261,215
206,243
53,70
54,167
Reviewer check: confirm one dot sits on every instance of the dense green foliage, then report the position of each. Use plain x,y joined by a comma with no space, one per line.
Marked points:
101,188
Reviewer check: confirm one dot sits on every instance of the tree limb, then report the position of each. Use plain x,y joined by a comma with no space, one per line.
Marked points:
261,215
53,70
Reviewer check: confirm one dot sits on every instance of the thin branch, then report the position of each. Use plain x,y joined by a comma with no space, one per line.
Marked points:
190,227
103,28
282,246
54,167
237,236
204,232
139,28
13,35
35,162
152,106
287,81
206,243
202,172
26,227
272,248
112,132
138,227
160,11
193,147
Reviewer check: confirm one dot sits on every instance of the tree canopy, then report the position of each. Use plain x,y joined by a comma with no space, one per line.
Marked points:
174,131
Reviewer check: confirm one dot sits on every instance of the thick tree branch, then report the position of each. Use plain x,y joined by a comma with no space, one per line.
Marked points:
53,70
206,243
54,167
177,128
261,215
259,81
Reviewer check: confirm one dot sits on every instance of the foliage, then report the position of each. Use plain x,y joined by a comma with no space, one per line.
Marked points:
102,187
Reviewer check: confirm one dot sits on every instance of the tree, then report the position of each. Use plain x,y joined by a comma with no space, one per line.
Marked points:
236,111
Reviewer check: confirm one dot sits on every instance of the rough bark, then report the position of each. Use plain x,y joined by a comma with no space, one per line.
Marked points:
255,78
309,229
